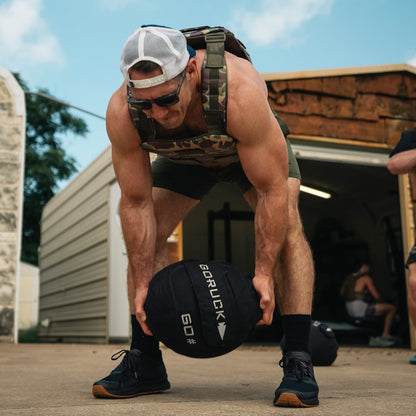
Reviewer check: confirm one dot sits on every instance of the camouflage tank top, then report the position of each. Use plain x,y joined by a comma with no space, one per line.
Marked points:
215,148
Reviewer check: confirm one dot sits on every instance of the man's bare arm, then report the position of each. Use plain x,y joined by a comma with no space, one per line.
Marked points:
263,155
403,162
132,169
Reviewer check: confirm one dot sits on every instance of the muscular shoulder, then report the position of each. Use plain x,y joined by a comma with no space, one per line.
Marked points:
120,128
248,106
244,80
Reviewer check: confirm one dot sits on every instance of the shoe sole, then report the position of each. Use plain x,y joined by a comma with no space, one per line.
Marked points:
101,393
291,400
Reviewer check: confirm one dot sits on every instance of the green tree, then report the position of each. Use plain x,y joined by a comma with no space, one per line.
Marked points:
46,162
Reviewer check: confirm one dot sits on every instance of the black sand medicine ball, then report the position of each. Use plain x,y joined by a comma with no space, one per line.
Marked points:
202,309
323,344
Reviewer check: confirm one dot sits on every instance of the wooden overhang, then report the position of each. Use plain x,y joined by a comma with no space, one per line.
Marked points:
364,106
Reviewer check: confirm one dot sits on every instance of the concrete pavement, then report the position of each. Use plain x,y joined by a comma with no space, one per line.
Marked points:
56,379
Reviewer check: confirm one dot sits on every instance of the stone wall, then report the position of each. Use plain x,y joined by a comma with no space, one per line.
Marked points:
12,143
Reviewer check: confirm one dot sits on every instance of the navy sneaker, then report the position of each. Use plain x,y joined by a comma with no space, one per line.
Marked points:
138,373
298,387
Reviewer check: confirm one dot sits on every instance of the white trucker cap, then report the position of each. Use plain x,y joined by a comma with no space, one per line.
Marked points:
161,45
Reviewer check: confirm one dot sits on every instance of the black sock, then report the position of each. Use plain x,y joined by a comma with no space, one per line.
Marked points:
141,341
296,329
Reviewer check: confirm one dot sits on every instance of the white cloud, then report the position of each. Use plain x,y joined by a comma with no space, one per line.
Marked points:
24,36
412,61
278,19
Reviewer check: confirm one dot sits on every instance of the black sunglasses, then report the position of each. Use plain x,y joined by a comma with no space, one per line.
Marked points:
163,101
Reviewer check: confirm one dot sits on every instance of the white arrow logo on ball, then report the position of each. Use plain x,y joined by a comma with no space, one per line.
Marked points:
221,329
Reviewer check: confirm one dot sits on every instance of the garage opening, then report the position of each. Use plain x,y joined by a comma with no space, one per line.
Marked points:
359,222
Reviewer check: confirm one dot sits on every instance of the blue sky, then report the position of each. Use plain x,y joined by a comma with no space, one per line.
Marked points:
72,47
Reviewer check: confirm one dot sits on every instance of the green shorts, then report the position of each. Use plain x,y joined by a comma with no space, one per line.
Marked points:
195,181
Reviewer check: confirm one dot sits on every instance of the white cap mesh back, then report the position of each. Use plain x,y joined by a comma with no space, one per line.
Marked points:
164,46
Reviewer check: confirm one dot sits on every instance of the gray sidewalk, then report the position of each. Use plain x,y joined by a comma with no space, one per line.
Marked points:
56,379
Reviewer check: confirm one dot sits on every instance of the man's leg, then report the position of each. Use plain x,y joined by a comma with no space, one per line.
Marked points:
411,288
411,298
389,310
294,279
142,370
411,293
294,291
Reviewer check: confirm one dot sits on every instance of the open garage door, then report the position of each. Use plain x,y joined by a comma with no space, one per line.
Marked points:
360,222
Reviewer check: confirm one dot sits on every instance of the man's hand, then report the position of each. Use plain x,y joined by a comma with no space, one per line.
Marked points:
141,294
264,286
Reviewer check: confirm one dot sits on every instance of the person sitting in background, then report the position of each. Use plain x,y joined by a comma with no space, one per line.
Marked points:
403,160
363,301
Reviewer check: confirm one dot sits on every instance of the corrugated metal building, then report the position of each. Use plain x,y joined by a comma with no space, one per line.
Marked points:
28,296
343,125
74,258
83,262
